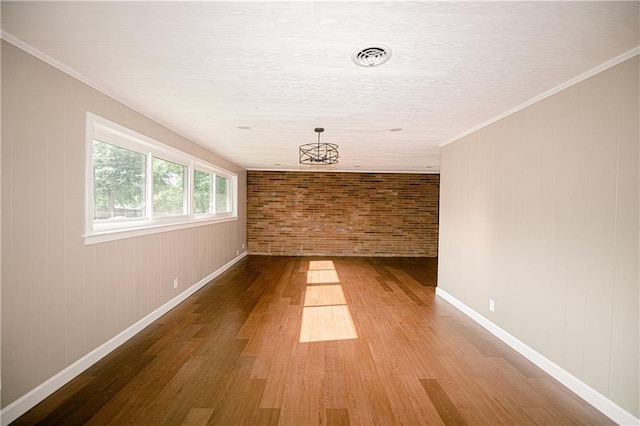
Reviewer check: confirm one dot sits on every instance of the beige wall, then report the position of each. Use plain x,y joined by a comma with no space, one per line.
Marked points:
539,212
60,297
0,224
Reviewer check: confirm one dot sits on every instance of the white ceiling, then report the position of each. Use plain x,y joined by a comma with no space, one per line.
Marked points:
204,69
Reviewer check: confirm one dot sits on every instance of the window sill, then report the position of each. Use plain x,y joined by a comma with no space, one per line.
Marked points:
105,236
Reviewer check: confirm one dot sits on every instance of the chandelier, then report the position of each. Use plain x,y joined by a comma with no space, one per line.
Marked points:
319,153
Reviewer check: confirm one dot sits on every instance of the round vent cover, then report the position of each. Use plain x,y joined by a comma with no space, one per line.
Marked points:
371,55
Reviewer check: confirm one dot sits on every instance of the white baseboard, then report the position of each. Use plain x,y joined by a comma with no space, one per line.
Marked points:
23,404
593,397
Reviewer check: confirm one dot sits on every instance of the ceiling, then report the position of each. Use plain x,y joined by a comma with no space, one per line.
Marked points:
251,80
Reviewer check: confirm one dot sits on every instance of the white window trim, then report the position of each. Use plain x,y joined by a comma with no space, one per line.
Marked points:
189,187
110,132
199,168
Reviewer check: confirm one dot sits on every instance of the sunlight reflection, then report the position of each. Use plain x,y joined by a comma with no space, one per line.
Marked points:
322,277
324,323
321,265
325,315
324,295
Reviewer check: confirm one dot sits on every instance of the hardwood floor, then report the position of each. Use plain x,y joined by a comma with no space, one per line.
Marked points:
379,348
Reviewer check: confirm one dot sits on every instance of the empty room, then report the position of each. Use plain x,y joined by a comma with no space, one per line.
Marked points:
320,212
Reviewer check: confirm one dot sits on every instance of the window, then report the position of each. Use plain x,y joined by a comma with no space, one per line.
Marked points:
202,186
136,185
119,182
169,188
222,194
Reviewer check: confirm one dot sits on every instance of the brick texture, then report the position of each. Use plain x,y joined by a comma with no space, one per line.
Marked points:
342,214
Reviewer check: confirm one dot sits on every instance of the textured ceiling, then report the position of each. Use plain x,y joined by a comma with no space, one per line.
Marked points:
206,69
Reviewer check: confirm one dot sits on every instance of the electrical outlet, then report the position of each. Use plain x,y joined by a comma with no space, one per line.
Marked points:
237,252
242,245
492,305
175,283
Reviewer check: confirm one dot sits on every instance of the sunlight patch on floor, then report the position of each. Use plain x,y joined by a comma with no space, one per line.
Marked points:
325,315
324,323
321,265
322,277
324,295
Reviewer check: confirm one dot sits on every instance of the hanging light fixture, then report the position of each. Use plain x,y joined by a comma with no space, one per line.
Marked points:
319,153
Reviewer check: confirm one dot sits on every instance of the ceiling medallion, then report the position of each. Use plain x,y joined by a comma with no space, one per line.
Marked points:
371,55
319,153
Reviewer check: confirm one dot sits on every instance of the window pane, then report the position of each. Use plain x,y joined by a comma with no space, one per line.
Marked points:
202,183
222,195
169,189
118,182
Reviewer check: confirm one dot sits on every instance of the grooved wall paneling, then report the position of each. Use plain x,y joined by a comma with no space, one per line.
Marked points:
342,214
61,299
539,212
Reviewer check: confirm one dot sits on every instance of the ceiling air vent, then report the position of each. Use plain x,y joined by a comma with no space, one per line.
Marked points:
371,55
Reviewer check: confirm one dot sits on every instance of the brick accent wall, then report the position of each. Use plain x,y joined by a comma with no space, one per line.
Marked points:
342,214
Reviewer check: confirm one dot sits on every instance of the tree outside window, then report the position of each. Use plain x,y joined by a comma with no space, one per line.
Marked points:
119,182
136,184
169,190
202,185
222,195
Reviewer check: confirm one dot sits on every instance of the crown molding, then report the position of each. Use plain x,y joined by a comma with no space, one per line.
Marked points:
596,70
73,73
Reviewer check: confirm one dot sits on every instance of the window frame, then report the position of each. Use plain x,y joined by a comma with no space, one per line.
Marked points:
101,129
186,197
146,171
215,191
214,172
198,168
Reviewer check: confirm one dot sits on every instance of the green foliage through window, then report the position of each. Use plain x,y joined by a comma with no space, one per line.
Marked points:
118,182
136,184
169,191
222,195
202,191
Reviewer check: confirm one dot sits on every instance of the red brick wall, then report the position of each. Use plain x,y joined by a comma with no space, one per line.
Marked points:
342,214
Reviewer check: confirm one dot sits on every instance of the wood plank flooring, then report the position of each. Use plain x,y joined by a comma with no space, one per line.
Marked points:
380,349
